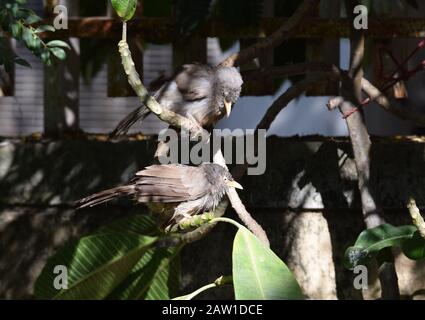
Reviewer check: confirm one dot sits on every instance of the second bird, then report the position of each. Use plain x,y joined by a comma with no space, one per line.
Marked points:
201,92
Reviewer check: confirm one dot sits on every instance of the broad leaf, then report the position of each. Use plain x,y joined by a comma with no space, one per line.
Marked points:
155,277
414,248
258,273
373,240
125,8
96,265
141,224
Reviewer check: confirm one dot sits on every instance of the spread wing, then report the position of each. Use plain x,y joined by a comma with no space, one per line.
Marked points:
171,183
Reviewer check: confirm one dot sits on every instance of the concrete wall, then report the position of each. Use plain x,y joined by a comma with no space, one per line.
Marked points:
306,201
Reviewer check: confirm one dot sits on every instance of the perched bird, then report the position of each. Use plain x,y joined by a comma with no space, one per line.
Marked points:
174,191
201,92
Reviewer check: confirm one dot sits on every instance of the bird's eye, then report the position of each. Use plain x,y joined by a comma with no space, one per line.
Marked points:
226,179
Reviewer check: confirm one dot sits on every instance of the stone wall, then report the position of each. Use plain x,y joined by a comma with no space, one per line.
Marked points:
306,201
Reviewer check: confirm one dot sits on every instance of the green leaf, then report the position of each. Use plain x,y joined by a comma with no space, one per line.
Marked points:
31,19
155,277
157,274
125,8
258,273
58,53
373,240
16,30
58,43
138,224
45,28
414,248
22,62
96,265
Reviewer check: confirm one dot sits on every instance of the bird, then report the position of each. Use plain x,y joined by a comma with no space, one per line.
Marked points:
201,92
174,191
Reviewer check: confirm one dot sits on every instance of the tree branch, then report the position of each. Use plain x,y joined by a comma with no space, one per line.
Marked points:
351,91
418,221
278,105
402,112
286,31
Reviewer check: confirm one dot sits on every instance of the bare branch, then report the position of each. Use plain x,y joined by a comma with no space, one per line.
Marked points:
402,112
334,103
278,105
246,218
351,91
288,70
360,140
298,19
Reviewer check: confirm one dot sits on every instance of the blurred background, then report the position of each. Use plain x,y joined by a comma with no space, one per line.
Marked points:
100,96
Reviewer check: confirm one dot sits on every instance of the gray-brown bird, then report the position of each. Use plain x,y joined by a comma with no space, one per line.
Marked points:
174,191
201,92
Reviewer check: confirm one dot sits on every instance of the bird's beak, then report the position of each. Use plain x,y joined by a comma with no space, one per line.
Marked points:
228,106
234,184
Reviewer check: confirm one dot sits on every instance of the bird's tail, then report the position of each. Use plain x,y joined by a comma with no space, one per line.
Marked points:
105,196
125,124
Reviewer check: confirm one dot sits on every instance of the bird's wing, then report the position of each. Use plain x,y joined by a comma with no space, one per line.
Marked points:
171,183
194,82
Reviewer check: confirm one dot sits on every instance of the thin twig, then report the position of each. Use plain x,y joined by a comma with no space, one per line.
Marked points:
286,31
402,112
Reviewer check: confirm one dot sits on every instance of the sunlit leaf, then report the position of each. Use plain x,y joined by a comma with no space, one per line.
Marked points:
125,8
258,273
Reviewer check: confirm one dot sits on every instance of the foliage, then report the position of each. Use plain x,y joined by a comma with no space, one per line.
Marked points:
372,241
120,261
130,259
21,24
258,273
125,8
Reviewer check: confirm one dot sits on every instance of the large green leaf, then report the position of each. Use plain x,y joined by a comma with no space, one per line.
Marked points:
373,240
155,277
414,248
141,224
125,8
96,265
258,273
